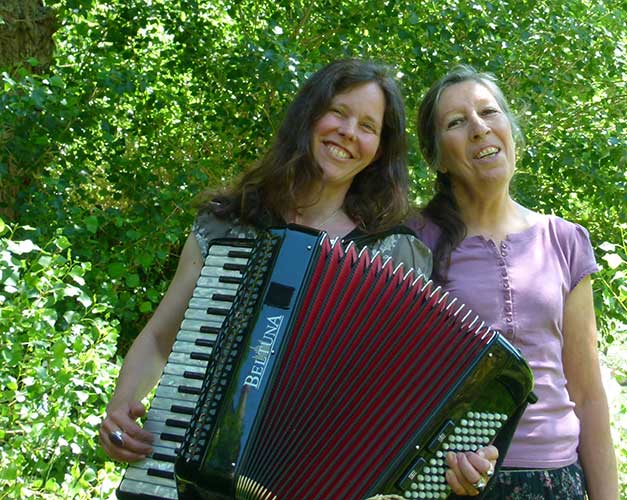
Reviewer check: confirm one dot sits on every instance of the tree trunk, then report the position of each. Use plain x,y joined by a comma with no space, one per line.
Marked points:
26,29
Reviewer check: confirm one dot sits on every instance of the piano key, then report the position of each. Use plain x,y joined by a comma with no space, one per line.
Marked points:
165,415
183,358
195,325
206,315
172,405
191,348
193,336
203,303
211,281
172,393
146,489
178,370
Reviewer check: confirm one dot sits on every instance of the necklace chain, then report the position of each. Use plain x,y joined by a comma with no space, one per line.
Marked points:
333,214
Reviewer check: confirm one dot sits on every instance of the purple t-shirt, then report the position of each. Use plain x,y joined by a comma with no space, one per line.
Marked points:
519,287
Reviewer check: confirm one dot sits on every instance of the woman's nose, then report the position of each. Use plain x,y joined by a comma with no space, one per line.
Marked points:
347,129
479,128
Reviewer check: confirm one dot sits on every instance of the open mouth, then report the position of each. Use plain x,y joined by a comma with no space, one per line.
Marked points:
487,152
337,152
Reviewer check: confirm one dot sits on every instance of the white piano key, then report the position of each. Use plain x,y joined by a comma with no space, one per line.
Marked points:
195,325
184,346
191,336
183,358
148,487
173,370
172,392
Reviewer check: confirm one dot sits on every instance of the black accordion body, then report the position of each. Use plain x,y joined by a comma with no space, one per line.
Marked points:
323,373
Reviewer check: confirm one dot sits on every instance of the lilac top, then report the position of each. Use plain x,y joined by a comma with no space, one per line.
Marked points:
519,288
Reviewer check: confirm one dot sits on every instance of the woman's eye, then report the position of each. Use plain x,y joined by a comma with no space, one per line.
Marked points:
369,127
490,111
453,123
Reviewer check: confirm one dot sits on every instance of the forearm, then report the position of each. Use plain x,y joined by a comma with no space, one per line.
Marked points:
140,372
596,451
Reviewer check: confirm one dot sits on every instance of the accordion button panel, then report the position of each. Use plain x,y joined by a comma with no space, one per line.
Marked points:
177,393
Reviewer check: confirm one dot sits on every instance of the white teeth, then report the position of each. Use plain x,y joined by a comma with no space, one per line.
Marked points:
487,151
338,152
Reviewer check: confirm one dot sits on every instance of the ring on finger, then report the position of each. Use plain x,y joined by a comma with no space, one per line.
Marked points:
117,438
479,484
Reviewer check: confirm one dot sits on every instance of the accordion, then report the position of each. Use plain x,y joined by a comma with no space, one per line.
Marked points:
304,370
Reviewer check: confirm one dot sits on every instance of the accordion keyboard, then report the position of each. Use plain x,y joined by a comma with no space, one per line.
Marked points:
178,389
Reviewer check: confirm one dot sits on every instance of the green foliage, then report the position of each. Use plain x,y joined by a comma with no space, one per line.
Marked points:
149,102
57,348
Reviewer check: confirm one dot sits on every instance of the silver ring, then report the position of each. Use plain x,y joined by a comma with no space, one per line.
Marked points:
116,437
479,484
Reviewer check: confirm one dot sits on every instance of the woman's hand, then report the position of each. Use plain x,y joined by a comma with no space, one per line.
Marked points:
469,472
120,435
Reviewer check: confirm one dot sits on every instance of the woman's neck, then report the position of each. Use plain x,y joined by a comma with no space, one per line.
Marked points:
493,217
325,212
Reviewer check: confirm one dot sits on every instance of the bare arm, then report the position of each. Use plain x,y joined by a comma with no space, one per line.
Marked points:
583,375
145,361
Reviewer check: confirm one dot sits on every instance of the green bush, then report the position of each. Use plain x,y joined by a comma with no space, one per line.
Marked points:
57,369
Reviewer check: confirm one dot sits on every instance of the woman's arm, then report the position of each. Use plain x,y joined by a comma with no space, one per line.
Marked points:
583,375
145,361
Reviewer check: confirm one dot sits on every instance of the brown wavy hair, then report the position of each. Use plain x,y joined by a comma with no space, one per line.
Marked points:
377,198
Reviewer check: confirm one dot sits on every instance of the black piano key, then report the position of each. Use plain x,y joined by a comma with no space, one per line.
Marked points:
218,311
166,474
230,266
166,436
239,254
185,410
163,457
222,297
193,375
204,342
172,422
189,390
201,356
210,329
234,280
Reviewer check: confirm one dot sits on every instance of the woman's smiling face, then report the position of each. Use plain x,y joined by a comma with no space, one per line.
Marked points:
346,138
475,135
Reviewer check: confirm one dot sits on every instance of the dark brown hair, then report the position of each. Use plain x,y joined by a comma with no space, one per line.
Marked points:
377,198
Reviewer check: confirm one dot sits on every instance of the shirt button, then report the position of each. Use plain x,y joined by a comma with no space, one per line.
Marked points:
503,253
503,244
508,319
506,284
503,272
508,309
501,262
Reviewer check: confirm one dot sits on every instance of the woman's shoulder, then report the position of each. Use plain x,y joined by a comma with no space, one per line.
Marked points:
560,227
209,226
425,229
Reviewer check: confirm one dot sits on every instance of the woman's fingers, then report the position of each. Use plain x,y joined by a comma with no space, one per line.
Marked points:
122,438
